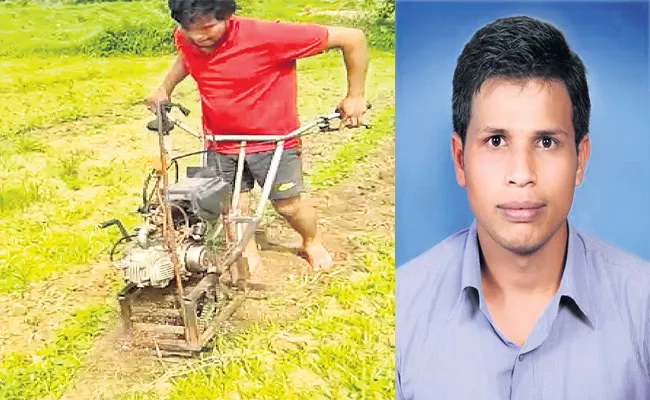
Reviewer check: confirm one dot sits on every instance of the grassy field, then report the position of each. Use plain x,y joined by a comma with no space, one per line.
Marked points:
72,155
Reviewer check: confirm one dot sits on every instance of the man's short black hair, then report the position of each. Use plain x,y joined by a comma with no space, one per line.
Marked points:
519,48
185,12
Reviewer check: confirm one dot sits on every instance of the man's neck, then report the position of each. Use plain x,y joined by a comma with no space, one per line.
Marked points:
506,274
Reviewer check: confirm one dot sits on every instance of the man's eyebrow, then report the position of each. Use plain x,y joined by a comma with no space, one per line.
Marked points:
542,132
551,132
494,131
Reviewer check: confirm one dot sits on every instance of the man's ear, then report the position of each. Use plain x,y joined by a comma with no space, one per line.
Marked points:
584,149
457,156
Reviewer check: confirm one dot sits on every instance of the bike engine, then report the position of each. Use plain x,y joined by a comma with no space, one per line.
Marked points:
195,204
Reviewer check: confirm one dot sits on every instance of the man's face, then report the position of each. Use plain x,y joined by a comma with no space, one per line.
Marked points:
519,163
205,31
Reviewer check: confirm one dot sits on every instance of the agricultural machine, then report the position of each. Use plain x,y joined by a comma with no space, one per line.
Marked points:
183,267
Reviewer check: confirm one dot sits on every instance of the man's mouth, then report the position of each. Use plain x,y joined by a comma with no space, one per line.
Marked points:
522,211
204,43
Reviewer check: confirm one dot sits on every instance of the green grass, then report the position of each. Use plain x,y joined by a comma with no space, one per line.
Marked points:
65,29
40,92
48,226
296,10
49,371
20,195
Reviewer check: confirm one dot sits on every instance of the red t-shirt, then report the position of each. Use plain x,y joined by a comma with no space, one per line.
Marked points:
248,84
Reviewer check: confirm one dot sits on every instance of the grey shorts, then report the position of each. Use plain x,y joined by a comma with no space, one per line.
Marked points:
288,179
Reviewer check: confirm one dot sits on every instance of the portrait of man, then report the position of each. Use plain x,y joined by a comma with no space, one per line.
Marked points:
522,303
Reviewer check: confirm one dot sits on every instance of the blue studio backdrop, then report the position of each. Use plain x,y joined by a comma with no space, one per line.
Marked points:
613,202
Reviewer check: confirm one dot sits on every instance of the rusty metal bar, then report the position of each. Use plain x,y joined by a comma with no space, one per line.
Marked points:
202,287
124,298
191,323
172,345
156,312
221,318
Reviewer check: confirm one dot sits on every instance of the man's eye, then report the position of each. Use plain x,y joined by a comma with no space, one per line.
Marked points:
496,141
547,142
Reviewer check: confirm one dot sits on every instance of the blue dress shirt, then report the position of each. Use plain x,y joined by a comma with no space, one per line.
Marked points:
592,342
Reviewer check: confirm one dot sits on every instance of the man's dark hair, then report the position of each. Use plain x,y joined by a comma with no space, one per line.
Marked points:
519,48
185,12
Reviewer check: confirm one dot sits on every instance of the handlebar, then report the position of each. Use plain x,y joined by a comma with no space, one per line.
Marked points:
322,122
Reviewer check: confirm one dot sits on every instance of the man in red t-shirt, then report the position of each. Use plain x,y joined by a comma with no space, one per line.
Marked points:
245,69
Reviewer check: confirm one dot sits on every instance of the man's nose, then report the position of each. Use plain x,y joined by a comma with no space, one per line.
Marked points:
199,36
521,167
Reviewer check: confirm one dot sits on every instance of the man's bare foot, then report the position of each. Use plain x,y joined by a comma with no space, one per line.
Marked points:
317,256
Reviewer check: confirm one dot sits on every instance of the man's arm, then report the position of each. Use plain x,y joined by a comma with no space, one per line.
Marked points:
176,74
292,41
352,43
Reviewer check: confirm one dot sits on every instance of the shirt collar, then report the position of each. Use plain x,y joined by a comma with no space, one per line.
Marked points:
471,264
575,283
576,279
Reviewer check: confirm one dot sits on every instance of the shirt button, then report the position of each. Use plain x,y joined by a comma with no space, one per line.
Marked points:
521,357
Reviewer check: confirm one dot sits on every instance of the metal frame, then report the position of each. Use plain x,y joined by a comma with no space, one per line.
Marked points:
195,340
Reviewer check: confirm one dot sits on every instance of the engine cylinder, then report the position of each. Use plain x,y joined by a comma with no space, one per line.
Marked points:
194,258
148,267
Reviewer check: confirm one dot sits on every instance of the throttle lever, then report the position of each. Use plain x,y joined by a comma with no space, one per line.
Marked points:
119,224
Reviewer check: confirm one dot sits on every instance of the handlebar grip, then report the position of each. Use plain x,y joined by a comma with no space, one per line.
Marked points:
339,114
167,107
